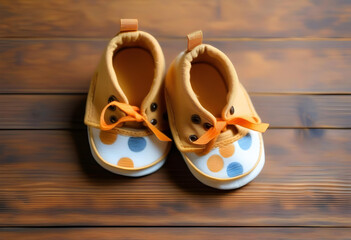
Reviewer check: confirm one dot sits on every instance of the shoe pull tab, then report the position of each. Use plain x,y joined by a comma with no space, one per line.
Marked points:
129,25
194,39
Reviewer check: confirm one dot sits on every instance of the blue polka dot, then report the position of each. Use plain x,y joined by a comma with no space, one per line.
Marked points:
136,144
245,142
234,169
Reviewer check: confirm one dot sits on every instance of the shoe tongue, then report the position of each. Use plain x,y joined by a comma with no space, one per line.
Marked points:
221,62
127,39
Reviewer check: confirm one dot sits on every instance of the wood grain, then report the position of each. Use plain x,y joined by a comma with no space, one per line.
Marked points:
281,111
226,18
66,66
294,58
175,233
49,178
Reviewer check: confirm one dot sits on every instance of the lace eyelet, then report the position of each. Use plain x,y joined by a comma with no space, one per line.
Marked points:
111,99
153,107
207,126
112,108
193,138
232,110
113,119
195,119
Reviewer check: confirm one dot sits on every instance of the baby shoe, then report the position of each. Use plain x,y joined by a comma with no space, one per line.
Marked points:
212,119
125,109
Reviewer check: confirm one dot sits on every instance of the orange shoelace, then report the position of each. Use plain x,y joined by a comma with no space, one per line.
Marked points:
132,115
212,134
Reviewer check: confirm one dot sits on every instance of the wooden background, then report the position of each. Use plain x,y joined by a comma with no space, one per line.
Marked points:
294,58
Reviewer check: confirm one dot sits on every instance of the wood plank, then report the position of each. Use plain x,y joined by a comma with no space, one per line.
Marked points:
226,18
174,233
54,181
42,111
312,111
58,66
281,111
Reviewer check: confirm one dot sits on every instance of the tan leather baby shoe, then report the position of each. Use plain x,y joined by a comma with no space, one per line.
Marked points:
212,119
125,110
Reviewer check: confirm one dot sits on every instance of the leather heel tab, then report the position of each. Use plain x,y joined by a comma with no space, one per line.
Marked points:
129,25
194,39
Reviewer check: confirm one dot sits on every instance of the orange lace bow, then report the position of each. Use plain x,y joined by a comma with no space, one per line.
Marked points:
132,115
246,121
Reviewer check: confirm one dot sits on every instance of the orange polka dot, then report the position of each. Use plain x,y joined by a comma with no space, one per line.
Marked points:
215,163
227,151
108,137
125,162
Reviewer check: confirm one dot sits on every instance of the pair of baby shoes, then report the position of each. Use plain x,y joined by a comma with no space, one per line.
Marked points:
131,103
